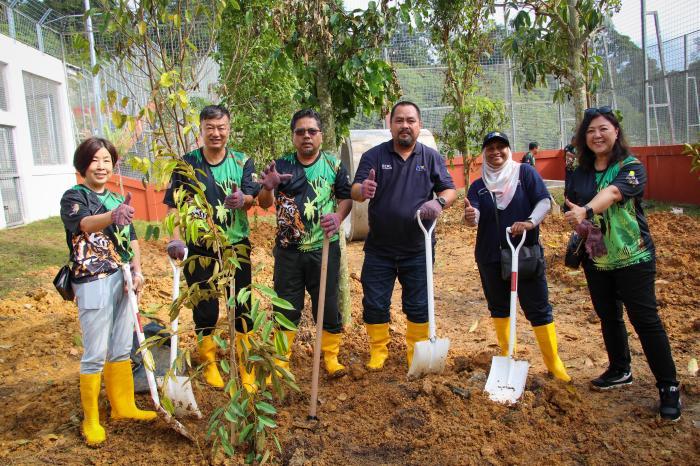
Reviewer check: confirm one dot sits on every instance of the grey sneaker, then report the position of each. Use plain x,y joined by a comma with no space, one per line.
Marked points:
670,402
612,378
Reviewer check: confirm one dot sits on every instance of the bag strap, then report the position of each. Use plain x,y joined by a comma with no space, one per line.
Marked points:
498,223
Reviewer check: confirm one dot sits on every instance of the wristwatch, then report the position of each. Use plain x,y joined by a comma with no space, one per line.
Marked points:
441,200
589,212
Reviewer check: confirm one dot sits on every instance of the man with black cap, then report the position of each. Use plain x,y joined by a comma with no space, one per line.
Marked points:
399,177
511,194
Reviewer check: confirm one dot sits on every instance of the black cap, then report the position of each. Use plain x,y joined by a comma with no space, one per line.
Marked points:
495,135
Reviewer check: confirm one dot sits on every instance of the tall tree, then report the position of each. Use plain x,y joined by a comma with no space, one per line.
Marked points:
553,38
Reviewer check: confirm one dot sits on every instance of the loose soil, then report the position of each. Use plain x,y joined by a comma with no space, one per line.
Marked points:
381,418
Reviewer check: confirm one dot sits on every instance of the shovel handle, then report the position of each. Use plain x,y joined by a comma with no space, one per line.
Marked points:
428,235
319,328
513,288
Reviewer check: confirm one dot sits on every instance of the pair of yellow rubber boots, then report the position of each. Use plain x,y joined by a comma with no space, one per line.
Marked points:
546,339
330,345
379,340
119,384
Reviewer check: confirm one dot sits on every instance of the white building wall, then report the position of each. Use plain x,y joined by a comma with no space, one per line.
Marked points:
41,186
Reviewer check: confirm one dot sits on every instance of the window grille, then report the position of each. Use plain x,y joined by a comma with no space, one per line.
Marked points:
9,180
3,88
43,113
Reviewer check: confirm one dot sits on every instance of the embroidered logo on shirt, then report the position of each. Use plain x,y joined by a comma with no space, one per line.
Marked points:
631,179
420,168
74,209
386,166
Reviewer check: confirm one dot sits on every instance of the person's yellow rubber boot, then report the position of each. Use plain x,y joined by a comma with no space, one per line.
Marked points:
207,354
379,339
502,326
414,333
247,378
119,382
93,432
330,345
290,341
547,341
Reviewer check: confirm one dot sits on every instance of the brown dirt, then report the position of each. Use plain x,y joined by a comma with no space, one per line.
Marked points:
381,417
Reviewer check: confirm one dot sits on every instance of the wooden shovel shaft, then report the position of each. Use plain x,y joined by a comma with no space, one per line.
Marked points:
319,328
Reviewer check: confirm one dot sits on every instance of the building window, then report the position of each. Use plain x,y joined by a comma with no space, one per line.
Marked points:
43,113
3,88
9,180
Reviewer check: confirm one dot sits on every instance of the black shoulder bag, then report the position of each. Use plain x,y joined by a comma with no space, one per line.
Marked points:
530,258
62,283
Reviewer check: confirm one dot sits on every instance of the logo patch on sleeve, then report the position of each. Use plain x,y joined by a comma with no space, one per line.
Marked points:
74,209
632,179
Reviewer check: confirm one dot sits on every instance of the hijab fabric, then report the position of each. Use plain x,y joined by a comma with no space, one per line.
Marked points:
502,181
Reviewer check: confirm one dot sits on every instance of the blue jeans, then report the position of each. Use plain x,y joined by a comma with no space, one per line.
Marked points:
379,274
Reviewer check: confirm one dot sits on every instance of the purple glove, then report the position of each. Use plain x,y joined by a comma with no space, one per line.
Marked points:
595,246
330,224
234,200
430,210
176,249
123,214
270,178
369,187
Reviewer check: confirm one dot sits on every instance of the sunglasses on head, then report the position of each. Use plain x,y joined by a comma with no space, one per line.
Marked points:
312,131
598,110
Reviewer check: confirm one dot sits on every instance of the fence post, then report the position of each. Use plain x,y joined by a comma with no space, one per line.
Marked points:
11,18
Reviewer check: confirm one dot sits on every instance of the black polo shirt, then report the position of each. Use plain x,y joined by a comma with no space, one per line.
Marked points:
402,187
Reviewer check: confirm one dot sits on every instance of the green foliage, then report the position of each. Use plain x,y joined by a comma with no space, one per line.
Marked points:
553,38
461,31
693,151
338,60
258,83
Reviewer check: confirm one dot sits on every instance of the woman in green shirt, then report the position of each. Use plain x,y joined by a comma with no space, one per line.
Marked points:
606,190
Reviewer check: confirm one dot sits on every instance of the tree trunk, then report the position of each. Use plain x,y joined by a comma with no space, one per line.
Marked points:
578,80
325,103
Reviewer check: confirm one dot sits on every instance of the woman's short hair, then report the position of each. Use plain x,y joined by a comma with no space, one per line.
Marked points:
87,149
586,157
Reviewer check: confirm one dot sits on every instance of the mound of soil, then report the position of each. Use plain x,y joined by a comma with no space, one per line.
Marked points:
381,417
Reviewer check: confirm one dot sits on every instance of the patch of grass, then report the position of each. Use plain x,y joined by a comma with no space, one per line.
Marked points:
651,206
34,247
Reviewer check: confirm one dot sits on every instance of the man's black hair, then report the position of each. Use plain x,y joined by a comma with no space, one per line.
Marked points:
533,145
306,113
403,103
213,112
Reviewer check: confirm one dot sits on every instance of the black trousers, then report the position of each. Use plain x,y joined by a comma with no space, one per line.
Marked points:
632,286
206,312
532,295
296,272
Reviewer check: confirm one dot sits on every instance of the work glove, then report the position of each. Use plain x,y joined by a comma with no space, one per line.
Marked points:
123,214
176,249
595,246
270,179
235,200
430,210
369,186
330,223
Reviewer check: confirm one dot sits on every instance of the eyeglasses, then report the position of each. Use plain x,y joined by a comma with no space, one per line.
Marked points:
605,110
301,131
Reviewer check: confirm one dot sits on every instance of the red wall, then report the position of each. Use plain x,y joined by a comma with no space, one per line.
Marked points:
668,171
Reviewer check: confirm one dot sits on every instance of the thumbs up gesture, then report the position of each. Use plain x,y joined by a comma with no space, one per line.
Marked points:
469,213
576,214
369,186
235,200
123,214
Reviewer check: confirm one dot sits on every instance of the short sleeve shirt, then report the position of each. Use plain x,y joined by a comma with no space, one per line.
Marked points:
490,239
313,190
623,224
529,159
235,169
94,255
402,187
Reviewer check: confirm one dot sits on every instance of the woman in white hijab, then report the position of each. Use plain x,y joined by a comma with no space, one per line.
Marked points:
510,194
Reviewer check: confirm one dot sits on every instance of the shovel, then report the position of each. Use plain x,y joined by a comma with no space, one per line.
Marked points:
177,387
148,362
506,380
429,356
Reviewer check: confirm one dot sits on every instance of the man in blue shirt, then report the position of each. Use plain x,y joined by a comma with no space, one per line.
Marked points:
399,177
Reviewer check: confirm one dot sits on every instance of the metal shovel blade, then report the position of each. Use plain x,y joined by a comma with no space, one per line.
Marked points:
506,381
179,390
429,357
